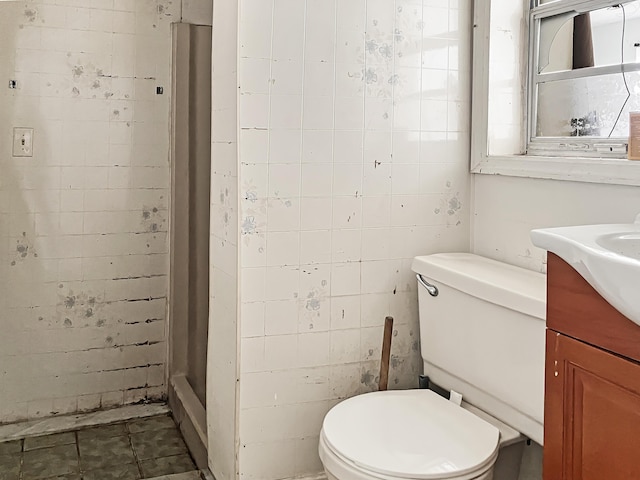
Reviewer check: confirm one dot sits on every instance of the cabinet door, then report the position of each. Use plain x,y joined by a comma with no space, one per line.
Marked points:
592,413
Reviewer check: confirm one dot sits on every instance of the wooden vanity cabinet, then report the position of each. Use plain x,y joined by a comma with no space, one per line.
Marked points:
592,383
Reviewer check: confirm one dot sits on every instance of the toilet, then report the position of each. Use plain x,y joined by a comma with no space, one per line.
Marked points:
482,330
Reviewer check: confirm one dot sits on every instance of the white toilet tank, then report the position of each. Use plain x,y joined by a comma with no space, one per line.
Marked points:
483,335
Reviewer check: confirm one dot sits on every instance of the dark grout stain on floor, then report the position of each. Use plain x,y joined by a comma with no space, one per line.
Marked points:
140,448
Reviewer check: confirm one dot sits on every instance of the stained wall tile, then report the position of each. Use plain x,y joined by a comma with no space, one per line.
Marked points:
365,123
88,212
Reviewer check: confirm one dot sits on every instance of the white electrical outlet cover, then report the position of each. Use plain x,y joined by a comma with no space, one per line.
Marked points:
22,142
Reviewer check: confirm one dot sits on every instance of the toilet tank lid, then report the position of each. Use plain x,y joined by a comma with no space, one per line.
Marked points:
496,282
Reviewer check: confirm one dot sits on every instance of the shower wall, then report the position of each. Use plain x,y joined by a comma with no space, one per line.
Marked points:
189,232
353,153
83,223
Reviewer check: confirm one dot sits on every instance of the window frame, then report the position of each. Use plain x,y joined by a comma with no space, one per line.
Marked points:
568,146
544,164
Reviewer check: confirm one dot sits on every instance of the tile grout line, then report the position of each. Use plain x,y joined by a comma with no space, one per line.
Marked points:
135,454
80,469
75,434
20,473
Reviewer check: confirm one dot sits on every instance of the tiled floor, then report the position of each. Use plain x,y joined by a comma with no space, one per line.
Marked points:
142,448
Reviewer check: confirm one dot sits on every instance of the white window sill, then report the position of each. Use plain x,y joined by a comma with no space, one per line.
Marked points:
590,170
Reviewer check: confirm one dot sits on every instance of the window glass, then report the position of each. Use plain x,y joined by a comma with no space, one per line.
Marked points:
586,77
571,41
587,107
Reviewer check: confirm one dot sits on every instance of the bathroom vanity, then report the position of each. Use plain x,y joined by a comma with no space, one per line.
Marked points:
592,382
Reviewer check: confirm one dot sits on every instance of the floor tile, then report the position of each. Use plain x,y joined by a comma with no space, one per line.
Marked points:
10,466
106,431
151,423
167,465
117,472
156,444
32,443
48,462
67,423
7,448
10,474
105,452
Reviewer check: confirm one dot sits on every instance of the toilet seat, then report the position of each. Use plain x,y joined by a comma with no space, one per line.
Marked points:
411,434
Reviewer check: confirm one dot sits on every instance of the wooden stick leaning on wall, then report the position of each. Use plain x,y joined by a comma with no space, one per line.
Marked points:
386,354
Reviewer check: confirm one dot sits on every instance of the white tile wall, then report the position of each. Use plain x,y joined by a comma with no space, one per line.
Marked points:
83,224
354,154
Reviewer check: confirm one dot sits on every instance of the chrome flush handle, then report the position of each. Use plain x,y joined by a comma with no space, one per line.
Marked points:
432,289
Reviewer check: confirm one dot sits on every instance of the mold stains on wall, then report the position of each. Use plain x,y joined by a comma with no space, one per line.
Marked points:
23,250
81,309
153,219
77,71
89,78
312,307
85,248
454,205
166,9
249,225
254,221
451,205
313,299
369,377
30,14
250,192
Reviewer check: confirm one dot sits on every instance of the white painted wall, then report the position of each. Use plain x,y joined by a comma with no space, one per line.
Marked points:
507,208
83,224
507,77
223,339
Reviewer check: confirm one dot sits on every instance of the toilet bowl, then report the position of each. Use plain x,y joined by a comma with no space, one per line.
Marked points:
483,337
412,434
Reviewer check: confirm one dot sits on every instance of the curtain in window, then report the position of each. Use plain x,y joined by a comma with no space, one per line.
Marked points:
582,42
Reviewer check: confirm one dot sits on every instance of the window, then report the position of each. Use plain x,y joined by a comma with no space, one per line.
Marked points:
584,77
536,115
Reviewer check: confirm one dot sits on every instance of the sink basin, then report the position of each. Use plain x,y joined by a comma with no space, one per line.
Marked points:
621,243
607,256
